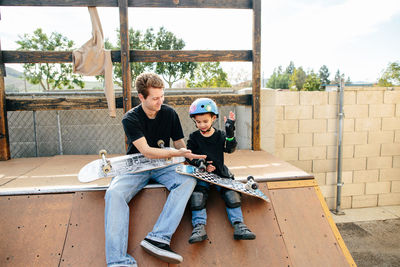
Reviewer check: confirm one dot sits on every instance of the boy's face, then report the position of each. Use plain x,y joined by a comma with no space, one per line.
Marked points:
204,121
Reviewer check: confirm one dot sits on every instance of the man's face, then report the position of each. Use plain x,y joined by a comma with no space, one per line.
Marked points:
154,100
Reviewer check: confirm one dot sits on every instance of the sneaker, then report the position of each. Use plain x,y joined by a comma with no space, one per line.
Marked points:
161,251
242,232
198,234
123,265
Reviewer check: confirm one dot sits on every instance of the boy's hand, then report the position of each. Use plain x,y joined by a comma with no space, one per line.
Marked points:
210,167
230,125
231,116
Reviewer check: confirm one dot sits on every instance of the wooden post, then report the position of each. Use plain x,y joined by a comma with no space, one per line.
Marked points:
125,66
4,140
256,73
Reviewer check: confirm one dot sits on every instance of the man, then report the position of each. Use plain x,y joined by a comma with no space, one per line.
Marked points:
144,125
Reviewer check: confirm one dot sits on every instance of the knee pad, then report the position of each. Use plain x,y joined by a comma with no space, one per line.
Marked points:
232,198
198,199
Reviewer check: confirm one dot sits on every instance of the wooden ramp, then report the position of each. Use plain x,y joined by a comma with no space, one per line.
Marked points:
66,228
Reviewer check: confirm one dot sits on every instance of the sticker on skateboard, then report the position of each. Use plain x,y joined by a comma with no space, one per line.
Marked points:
250,188
133,163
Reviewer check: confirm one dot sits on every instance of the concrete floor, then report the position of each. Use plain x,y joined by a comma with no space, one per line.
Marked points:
372,235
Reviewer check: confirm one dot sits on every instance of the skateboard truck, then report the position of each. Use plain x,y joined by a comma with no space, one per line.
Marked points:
106,163
251,183
161,144
202,165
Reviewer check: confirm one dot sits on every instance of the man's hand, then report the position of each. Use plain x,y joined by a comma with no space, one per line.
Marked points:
188,154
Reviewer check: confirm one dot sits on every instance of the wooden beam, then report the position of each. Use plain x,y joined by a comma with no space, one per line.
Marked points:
4,139
256,73
125,66
234,4
134,56
82,103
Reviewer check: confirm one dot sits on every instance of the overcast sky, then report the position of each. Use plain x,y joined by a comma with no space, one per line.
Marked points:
359,37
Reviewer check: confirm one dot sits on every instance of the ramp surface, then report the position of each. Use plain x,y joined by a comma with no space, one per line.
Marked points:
67,229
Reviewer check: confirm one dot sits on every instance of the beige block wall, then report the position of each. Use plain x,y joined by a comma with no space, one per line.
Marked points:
302,129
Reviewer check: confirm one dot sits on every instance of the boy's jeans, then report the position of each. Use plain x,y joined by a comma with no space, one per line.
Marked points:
200,216
122,189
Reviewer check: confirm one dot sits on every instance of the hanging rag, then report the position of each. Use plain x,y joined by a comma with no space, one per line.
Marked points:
92,59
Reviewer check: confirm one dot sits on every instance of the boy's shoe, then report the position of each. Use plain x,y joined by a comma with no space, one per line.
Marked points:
242,232
198,234
161,251
123,265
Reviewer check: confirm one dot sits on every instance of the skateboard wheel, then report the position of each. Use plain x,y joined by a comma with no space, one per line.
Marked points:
106,169
103,152
250,178
161,143
254,186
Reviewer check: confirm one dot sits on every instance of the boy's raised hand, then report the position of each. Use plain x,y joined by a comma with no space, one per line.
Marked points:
231,116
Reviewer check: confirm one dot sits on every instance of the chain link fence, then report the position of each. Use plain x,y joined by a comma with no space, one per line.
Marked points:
77,132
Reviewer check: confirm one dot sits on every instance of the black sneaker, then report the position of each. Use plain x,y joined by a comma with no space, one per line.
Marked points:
161,251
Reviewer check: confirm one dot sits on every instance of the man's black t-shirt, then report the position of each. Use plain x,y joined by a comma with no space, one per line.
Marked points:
214,147
164,126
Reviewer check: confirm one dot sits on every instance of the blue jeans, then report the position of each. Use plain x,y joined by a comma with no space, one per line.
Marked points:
200,216
122,189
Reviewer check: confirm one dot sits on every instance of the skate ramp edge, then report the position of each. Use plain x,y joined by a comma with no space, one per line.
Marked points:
67,229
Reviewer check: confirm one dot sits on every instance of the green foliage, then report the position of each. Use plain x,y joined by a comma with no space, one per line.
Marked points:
49,76
149,40
279,79
391,75
172,71
137,41
290,68
312,82
208,75
324,75
297,79
338,77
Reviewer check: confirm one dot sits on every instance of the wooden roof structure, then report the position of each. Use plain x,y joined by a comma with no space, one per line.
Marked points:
126,55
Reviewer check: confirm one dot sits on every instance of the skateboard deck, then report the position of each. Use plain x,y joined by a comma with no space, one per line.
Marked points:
111,167
250,188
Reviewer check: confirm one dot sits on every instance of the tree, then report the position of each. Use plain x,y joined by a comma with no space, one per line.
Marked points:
312,82
324,75
49,76
137,40
208,75
172,71
338,77
148,40
391,75
297,79
290,68
279,79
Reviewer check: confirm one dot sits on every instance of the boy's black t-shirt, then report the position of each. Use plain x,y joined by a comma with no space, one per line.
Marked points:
214,147
164,126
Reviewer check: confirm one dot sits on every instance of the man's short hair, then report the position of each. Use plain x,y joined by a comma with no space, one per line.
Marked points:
146,80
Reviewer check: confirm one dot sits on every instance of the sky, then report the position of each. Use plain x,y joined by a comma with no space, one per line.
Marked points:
358,37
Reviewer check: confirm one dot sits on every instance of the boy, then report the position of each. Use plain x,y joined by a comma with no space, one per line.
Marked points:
212,142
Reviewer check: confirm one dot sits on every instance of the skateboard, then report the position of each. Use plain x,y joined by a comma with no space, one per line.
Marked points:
133,163
250,188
